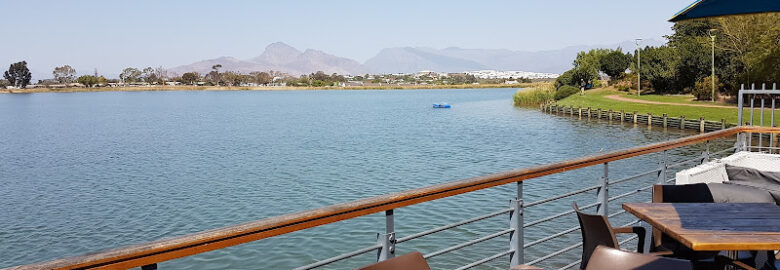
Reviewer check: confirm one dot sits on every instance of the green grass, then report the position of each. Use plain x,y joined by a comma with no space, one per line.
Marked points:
685,99
596,99
538,94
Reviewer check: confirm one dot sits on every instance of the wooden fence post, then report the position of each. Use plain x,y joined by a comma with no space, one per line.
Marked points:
682,121
580,111
589,112
701,124
610,114
649,119
722,123
664,115
598,113
634,117
622,116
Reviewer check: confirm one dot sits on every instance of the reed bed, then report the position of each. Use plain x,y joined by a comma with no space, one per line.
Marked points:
537,94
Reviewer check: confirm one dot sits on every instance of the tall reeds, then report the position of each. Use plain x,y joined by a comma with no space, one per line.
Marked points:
535,95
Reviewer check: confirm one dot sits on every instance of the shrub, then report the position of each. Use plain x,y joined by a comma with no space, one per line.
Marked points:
564,79
702,90
536,95
623,85
597,84
565,91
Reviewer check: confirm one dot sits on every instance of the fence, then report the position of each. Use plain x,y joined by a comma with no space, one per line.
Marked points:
649,119
762,95
148,254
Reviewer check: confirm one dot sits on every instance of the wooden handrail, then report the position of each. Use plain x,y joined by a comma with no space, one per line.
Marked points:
186,245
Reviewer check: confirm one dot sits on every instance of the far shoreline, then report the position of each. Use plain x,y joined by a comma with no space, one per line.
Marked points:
257,88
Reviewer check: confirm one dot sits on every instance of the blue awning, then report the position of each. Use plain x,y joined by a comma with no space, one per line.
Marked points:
714,8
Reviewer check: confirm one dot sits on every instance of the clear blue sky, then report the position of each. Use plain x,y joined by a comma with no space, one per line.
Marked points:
111,35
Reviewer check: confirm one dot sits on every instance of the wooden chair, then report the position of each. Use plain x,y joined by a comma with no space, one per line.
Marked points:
615,259
410,261
596,231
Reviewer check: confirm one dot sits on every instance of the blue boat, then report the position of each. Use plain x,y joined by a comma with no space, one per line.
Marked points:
441,105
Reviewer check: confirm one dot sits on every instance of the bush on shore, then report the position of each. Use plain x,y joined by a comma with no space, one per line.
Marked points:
565,91
702,90
536,95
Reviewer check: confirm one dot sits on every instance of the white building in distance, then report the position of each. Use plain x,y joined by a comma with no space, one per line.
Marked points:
494,74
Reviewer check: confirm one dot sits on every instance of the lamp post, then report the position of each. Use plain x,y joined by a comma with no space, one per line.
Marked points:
712,36
638,68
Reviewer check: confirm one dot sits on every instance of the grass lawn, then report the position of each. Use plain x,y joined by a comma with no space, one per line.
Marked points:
596,99
685,99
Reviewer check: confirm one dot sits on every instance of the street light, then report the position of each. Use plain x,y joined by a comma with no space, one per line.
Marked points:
638,68
712,36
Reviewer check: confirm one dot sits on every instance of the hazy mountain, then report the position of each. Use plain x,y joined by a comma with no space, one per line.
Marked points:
277,54
280,57
408,60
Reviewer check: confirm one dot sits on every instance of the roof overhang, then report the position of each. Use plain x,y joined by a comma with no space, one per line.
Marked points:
715,8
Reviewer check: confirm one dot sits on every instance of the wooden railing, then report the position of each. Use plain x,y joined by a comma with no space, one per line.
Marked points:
162,250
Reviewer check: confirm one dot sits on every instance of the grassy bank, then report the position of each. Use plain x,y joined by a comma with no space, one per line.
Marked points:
535,94
263,88
598,99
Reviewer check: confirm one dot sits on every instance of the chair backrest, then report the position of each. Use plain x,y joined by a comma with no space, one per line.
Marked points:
409,261
615,259
596,231
690,193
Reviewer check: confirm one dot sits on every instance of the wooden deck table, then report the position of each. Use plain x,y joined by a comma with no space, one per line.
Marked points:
714,226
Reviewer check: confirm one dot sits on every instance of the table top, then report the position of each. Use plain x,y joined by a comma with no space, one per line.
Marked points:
714,226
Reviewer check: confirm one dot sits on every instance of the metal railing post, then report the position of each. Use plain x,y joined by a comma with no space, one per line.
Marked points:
603,190
740,104
741,143
517,237
387,240
662,170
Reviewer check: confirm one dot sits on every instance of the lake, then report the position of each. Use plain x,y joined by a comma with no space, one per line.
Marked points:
83,172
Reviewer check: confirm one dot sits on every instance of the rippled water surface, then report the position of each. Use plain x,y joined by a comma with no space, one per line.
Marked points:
83,172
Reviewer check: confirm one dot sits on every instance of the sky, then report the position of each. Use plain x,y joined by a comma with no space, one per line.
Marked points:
111,35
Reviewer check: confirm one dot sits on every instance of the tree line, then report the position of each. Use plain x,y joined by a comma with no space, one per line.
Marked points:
747,50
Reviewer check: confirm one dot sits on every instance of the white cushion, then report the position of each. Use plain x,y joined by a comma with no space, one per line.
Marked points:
753,160
715,171
710,172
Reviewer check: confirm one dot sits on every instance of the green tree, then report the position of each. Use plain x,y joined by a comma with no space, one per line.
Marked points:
263,78
615,63
64,74
190,78
87,80
659,67
320,76
149,75
130,75
564,79
591,60
754,41
18,74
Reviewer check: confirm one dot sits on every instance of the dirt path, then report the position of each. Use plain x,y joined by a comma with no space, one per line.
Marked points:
619,98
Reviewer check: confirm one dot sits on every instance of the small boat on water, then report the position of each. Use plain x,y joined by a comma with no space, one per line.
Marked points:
441,105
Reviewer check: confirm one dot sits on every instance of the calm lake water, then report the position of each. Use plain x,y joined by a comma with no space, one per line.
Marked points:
83,172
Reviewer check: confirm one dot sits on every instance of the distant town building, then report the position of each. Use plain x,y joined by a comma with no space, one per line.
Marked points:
494,74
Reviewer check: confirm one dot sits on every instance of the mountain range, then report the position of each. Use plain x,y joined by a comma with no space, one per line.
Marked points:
282,57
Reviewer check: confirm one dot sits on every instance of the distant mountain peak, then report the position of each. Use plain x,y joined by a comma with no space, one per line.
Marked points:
281,57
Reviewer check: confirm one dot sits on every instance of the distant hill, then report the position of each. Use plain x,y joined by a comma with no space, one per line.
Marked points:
280,57
409,59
